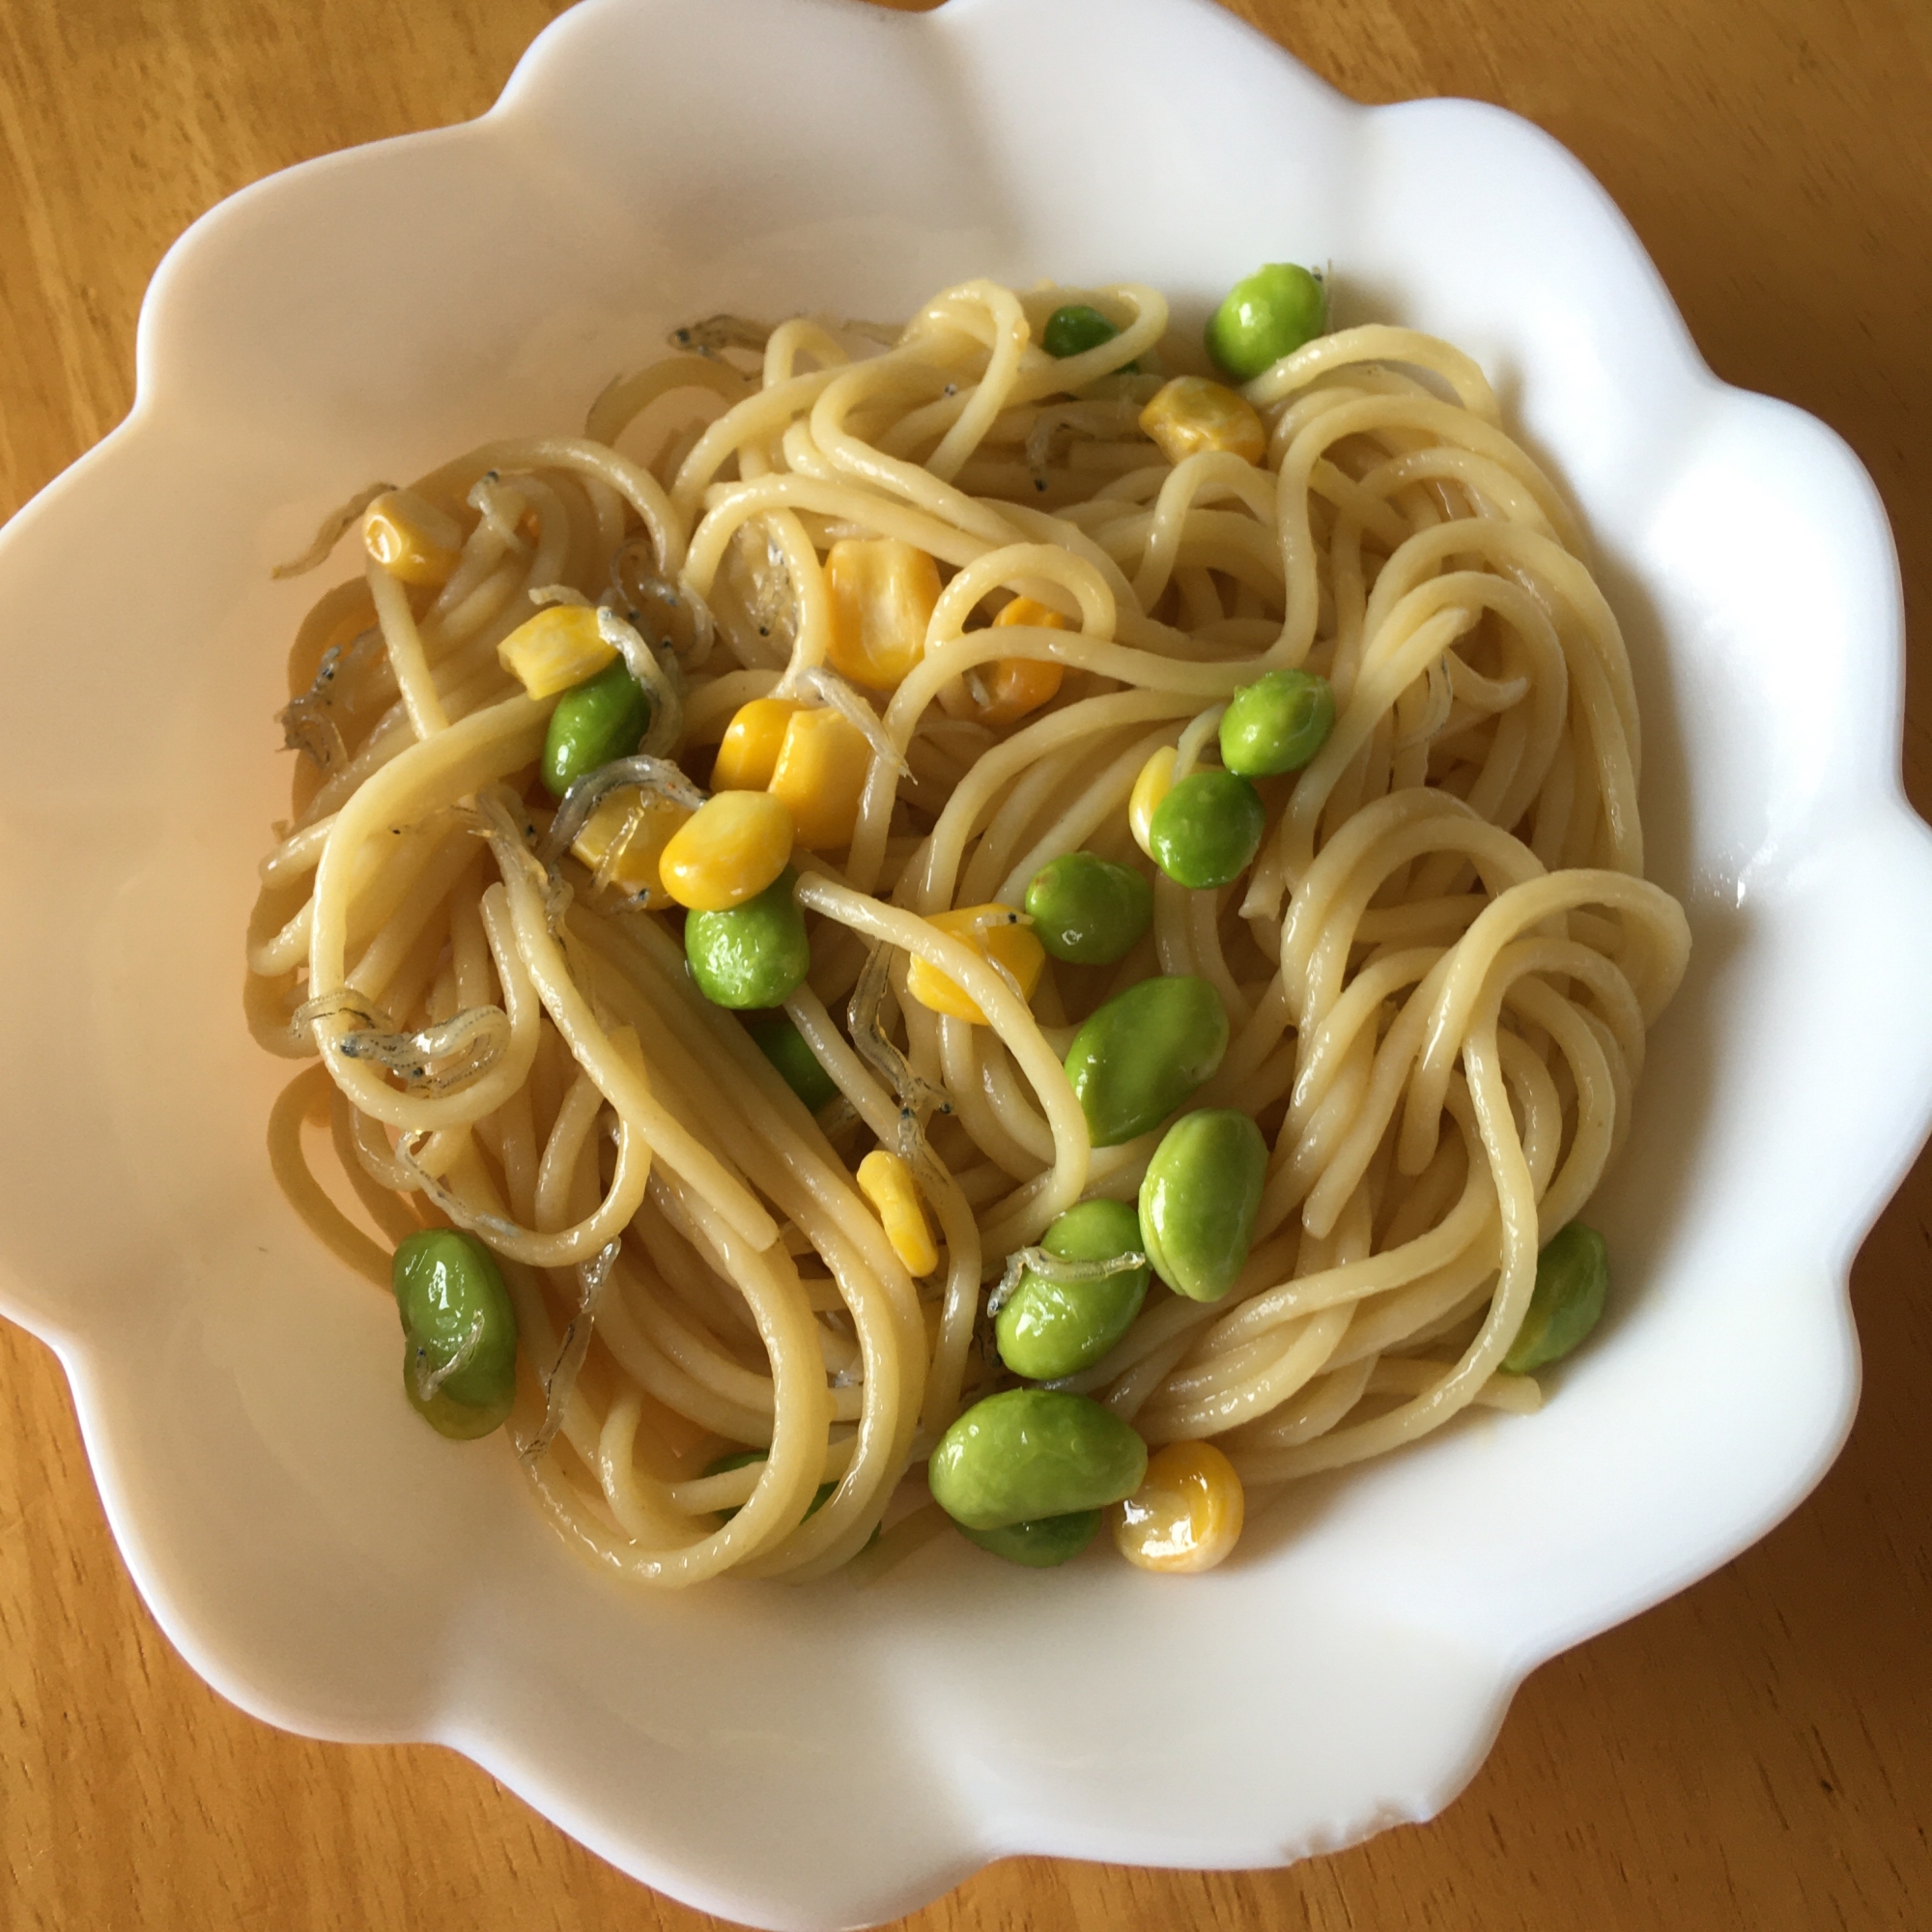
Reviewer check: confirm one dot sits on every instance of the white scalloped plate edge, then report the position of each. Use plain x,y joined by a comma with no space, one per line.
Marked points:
1850,819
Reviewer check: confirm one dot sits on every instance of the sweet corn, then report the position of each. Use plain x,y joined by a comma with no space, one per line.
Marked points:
555,649
820,777
1155,781
412,539
887,1182
728,851
1031,611
750,751
882,593
623,842
1191,413
1000,940
1007,688
1015,686
1187,1512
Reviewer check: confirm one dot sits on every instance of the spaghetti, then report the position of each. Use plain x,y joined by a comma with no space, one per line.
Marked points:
1435,971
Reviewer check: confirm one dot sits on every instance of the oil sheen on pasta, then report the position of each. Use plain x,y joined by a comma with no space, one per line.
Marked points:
955,607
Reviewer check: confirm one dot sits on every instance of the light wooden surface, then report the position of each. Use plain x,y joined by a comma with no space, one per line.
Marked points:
1753,1754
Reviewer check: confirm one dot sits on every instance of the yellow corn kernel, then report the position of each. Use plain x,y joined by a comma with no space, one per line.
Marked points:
882,593
887,1182
412,539
1186,1515
750,751
1030,611
820,777
1015,686
556,648
1000,940
623,842
1155,781
1191,413
1007,688
728,851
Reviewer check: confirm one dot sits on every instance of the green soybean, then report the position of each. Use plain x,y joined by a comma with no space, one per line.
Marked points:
1086,910
1207,829
789,1051
599,720
1140,1055
1198,1201
1029,1453
1265,316
455,1309
755,954
1074,328
1573,1275
1049,1329
1277,724
743,1459
1041,1543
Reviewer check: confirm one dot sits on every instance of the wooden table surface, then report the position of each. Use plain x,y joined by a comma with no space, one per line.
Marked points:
1756,1754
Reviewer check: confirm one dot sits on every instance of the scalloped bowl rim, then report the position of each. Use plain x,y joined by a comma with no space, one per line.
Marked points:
1846,819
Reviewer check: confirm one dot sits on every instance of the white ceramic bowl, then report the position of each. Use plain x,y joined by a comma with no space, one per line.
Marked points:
819,1756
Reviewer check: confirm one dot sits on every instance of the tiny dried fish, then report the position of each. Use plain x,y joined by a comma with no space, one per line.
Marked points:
308,723
333,528
474,1039
592,1277
1058,1269
722,332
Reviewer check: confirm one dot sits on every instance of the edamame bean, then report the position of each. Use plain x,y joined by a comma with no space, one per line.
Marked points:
755,954
1265,316
1051,1328
1029,1453
1198,1201
599,720
1277,724
459,1329
1140,1055
743,1459
1086,910
1207,831
1075,328
1573,1275
1041,1543
786,1048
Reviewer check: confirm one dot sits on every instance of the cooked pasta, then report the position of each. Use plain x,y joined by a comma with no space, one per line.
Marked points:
873,627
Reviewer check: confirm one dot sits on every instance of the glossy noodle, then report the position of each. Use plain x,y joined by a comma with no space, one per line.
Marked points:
1435,971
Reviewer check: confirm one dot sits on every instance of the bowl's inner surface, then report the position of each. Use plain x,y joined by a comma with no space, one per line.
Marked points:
329,1563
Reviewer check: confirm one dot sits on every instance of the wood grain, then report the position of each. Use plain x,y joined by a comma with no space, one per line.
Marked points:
1749,1756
